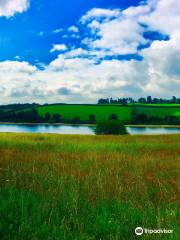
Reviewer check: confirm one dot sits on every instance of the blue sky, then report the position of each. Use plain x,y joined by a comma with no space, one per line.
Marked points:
30,35
79,51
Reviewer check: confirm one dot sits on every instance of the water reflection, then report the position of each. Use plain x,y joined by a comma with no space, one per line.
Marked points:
63,129
79,129
153,130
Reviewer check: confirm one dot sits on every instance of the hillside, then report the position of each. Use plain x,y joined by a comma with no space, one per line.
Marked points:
101,112
90,113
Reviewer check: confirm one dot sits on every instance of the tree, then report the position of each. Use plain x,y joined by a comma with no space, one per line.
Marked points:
113,117
141,118
103,101
32,115
124,101
110,127
171,120
92,118
76,120
173,99
56,117
149,99
155,120
141,100
28,116
47,117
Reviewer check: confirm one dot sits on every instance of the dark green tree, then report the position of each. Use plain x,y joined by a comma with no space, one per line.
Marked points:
47,117
92,118
149,99
76,120
141,118
113,117
56,118
110,127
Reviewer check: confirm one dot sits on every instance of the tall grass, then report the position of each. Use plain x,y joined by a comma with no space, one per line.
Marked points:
88,187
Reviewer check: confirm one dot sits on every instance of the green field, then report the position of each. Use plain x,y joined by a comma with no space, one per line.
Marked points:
68,112
159,111
56,187
84,111
102,112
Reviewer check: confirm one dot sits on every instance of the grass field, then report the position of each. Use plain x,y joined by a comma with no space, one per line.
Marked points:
84,111
102,112
88,187
159,111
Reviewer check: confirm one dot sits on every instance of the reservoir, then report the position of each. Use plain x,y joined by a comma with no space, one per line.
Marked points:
80,129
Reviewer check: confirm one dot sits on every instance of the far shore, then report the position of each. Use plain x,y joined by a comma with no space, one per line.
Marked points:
54,124
70,124
154,126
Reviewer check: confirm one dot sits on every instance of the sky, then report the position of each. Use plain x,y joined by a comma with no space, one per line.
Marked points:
80,51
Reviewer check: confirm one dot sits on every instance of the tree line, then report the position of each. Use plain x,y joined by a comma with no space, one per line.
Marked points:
148,100
142,118
32,116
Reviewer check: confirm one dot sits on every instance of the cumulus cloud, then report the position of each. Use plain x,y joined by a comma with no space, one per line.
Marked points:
100,13
63,91
114,31
165,17
163,67
16,67
85,74
119,37
73,29
58,47
10,7
78,52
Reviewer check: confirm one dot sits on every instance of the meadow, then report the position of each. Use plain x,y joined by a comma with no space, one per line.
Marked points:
158,111
137,113
88,187
102,112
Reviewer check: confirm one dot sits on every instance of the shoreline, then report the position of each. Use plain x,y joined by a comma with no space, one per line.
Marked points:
54,124
70,124
153,126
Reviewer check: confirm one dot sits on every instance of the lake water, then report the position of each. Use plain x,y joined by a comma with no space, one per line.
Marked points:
68,129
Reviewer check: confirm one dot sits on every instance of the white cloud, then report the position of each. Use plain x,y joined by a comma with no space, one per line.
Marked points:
119,36
73,29
118,32
75,76
58,47
163,67
58,30
99,13
10,7
16,67
79,52
17,57
165,17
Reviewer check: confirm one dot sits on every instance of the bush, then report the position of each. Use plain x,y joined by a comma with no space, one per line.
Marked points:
172,120
139,118
110,127
113,117
76,120
56,118
92,118
47,117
